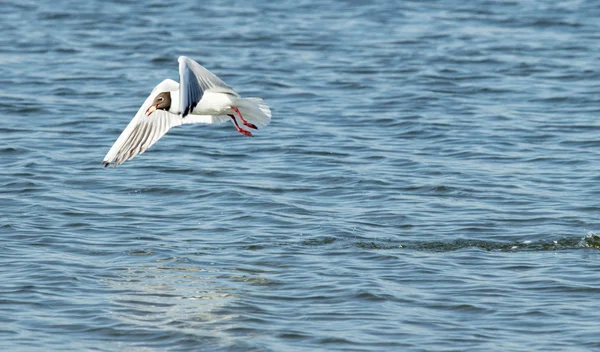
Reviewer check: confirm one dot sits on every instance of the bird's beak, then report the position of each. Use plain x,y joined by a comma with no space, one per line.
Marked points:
150,110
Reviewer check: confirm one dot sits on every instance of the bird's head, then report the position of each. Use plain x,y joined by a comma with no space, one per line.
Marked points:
161,102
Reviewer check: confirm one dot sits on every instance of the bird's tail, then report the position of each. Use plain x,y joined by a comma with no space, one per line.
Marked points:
254,110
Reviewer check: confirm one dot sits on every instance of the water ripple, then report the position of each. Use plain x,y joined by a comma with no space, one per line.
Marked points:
428,182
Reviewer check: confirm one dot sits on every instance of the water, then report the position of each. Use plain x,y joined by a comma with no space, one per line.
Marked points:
430,180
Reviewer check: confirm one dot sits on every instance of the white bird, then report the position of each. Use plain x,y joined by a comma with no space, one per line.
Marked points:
199,97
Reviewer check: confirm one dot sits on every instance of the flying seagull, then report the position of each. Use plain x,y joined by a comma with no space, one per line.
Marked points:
199,97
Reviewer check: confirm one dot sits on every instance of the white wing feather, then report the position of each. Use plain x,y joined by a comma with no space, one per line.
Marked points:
141,133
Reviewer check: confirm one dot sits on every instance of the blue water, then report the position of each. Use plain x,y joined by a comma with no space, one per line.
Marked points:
430,180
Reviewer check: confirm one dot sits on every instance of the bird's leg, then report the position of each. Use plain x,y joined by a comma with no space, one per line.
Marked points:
251,125
240,130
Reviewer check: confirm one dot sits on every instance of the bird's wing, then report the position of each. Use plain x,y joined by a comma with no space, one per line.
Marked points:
194,80
142,132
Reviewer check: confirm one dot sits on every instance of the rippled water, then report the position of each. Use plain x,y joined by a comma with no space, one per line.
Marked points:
430,180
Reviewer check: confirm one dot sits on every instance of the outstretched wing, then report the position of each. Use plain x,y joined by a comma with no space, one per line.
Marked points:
194,81
141,133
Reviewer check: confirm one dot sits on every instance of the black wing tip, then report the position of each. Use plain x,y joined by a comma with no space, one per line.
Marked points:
188,110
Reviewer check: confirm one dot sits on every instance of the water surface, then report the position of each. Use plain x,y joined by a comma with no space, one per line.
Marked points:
430,180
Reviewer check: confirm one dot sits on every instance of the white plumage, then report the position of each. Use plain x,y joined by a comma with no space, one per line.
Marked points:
200,97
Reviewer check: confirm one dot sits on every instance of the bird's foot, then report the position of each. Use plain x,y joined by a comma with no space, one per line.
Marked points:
240,130
246,123
249,124
244,132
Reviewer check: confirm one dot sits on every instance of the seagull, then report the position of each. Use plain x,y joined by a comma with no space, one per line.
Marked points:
199,97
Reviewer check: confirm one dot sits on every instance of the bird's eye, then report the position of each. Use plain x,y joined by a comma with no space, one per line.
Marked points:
161,99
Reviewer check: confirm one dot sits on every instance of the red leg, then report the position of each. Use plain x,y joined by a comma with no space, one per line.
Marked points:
251,125
240,130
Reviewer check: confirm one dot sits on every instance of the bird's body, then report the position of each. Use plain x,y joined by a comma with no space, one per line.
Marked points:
213,104
199,97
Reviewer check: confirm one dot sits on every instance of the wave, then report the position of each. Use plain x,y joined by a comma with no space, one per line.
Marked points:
590,241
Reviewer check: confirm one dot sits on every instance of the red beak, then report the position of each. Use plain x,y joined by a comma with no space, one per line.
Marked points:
151,109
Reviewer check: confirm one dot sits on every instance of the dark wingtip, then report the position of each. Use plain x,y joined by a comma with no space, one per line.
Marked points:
105,164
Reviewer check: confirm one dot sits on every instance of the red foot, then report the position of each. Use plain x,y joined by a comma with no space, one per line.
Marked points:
244,132
246,123
240,130
249,124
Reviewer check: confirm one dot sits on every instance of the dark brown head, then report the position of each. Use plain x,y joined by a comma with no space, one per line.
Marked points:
161,102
